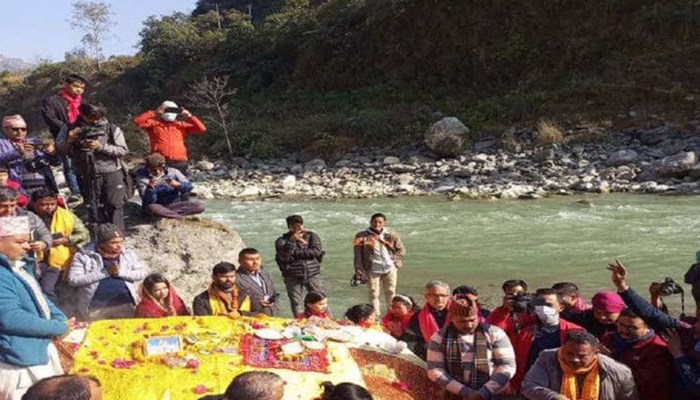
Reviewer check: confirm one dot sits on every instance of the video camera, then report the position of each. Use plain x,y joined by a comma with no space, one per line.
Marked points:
522,303
669,287
88,133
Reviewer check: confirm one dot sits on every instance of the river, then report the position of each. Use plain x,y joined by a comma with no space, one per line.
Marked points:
484,243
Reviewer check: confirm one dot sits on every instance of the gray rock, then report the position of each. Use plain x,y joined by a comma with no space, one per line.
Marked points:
447,137
315,165
676,166
296,169
656,135
204,165
240,162
391,160
182,250
622,157
289,181
694,172
485,144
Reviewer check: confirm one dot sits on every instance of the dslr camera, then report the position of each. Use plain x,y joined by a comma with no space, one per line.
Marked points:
669,287
357,280
522,303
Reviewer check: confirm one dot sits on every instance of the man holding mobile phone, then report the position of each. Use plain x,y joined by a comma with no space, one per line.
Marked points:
167,134
164,190
255,283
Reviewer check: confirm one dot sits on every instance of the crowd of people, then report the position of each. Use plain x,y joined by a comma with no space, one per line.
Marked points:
549,343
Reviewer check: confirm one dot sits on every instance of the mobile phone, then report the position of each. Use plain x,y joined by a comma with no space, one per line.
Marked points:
57,235
273,298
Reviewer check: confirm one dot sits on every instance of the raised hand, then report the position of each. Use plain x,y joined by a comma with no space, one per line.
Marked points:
618,275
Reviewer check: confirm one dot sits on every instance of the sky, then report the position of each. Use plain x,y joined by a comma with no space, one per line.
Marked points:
35,30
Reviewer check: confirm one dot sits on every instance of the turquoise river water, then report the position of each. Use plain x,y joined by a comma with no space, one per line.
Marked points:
484,243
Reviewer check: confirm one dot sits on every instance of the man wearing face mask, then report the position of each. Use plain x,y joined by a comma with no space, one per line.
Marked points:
545,330
167,135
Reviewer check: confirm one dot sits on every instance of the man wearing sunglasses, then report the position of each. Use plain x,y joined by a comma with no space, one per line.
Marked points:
28,160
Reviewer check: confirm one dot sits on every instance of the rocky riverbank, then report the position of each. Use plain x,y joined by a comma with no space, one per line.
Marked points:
662,159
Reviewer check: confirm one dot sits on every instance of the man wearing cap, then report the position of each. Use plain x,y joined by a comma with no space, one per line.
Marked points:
39,235
103,273
166,135
164,190
471,360
28,160
601,318
28,320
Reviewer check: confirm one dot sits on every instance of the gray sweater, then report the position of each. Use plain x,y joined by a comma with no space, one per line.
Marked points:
543,380
107,157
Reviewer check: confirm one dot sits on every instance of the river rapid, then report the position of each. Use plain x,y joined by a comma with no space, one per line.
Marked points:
484,243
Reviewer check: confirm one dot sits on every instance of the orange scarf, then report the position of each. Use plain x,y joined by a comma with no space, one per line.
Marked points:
223,303
569,383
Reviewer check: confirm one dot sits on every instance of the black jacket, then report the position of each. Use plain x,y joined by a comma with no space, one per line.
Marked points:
297,260
54,110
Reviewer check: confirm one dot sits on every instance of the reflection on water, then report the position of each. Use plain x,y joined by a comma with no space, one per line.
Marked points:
485,243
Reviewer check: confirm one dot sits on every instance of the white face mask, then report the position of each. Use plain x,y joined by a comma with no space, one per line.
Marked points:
547,315
169,117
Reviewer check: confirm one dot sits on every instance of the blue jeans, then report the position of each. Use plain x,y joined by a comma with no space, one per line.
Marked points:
69,174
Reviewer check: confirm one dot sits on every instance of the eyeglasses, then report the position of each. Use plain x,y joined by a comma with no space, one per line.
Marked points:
19,129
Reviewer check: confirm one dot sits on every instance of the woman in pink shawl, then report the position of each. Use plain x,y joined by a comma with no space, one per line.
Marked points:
159,299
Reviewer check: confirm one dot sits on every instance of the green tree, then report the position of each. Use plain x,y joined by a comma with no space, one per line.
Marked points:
93,19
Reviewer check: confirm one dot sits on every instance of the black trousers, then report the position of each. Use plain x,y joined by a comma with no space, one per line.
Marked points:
109,191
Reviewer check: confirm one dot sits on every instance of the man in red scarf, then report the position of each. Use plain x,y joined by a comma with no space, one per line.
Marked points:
431,318
60,112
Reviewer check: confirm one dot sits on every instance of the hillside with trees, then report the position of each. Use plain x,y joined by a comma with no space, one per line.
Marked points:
324,76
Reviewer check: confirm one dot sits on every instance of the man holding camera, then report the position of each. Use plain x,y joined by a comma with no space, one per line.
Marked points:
163,190
28,160
167,135
379,253
97,148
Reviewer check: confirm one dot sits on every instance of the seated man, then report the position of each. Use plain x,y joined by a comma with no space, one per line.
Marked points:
104,272
39,237
577,371
5,181
222,297
164,191
28,320
67,232
471,360
28,160
258,385
73,387
430,319
571,299
255,284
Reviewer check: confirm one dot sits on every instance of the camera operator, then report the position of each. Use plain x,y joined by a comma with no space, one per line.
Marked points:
28,160
540,328
97,147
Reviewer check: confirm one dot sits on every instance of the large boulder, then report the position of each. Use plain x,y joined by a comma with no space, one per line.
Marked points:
622,157
447,138
185,251
676,166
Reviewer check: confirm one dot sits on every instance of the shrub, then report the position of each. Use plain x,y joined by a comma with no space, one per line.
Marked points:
548,133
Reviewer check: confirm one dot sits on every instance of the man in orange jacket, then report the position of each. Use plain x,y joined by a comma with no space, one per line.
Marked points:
166,135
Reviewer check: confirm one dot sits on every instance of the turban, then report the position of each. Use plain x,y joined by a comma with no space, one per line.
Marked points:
11,226
13,121
464,307
608,301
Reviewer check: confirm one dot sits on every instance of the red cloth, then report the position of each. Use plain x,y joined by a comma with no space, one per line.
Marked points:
168,138
428,324
579,306
308,314
74,103
22,200
390,322
263,353
651,365
522,341
148,308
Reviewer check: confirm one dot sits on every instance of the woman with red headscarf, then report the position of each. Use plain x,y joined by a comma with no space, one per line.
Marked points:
159,299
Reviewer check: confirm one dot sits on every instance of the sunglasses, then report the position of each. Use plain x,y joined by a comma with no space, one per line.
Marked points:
19,129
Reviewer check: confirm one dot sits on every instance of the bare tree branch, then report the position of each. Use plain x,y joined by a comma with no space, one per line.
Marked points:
212,93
